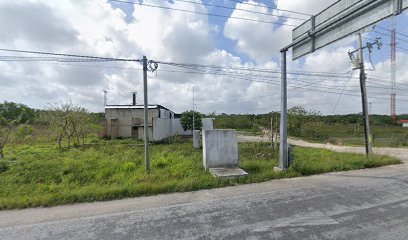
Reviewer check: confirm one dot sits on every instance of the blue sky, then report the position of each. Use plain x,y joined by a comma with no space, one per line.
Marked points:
104,28
221,42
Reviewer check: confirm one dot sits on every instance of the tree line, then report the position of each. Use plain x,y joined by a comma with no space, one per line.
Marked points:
309,124
69,124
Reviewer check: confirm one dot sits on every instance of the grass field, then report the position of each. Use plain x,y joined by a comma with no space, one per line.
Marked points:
41,175
353,135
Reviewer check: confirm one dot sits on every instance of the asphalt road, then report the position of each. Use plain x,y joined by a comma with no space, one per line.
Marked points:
364,204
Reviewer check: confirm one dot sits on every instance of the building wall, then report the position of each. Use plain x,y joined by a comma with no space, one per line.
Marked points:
162,128
128,113
128,123
208,123
405,125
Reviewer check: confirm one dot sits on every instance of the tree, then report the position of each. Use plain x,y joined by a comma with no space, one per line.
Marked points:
12,115
5,130
187,120
19,113
68,122
303,123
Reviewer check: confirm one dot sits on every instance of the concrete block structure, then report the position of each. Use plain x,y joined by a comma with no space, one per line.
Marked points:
220,149
127,121
197,139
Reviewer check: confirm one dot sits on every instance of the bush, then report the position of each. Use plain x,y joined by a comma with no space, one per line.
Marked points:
24,131
3,167
187,120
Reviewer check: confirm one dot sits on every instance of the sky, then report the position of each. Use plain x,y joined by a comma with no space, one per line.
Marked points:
120,30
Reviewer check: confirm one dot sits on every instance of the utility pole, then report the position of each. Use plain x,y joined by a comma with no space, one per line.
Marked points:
146,112
193,113
367,133
276,131
272,146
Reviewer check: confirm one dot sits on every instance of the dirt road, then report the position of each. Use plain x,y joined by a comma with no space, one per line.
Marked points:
400,153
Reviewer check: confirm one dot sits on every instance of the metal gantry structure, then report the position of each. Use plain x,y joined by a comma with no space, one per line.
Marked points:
339,20
393,46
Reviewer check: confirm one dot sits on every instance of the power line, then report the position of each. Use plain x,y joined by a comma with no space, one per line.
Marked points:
204,67
50,59
354,95
240,9
196,69
342,92
201,13
386,35
70,55
387,44
273,8
398,33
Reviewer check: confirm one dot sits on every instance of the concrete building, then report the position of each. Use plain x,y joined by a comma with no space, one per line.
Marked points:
127,121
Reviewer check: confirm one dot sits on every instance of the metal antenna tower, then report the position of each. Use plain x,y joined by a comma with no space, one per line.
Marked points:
393,67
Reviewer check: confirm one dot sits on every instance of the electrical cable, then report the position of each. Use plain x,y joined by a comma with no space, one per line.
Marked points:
71,55
269,7
202,13
240,9
389,30
342,92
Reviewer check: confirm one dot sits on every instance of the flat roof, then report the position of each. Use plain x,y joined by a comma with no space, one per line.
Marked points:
152,106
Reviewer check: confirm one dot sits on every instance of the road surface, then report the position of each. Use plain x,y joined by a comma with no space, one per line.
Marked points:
363,204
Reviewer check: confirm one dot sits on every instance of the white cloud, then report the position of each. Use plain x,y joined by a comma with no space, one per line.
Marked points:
308,7
261,41
94,27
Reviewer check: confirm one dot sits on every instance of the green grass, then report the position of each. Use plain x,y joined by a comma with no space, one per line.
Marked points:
41,175
310,161
353,135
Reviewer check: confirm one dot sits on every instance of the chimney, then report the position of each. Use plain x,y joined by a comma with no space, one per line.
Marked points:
134,98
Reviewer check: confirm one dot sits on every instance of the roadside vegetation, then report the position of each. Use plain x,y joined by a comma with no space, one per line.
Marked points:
46,164
312,126
33,175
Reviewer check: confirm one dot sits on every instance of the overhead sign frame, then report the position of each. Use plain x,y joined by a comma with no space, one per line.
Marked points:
339,20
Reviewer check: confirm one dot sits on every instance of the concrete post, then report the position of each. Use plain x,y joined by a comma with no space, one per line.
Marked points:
196,139
146,113
367,131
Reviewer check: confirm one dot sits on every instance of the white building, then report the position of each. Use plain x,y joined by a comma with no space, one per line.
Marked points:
127,121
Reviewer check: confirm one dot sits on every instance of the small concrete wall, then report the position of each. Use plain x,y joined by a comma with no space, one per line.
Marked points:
220,148
208,123
161,129
196,139
176,128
